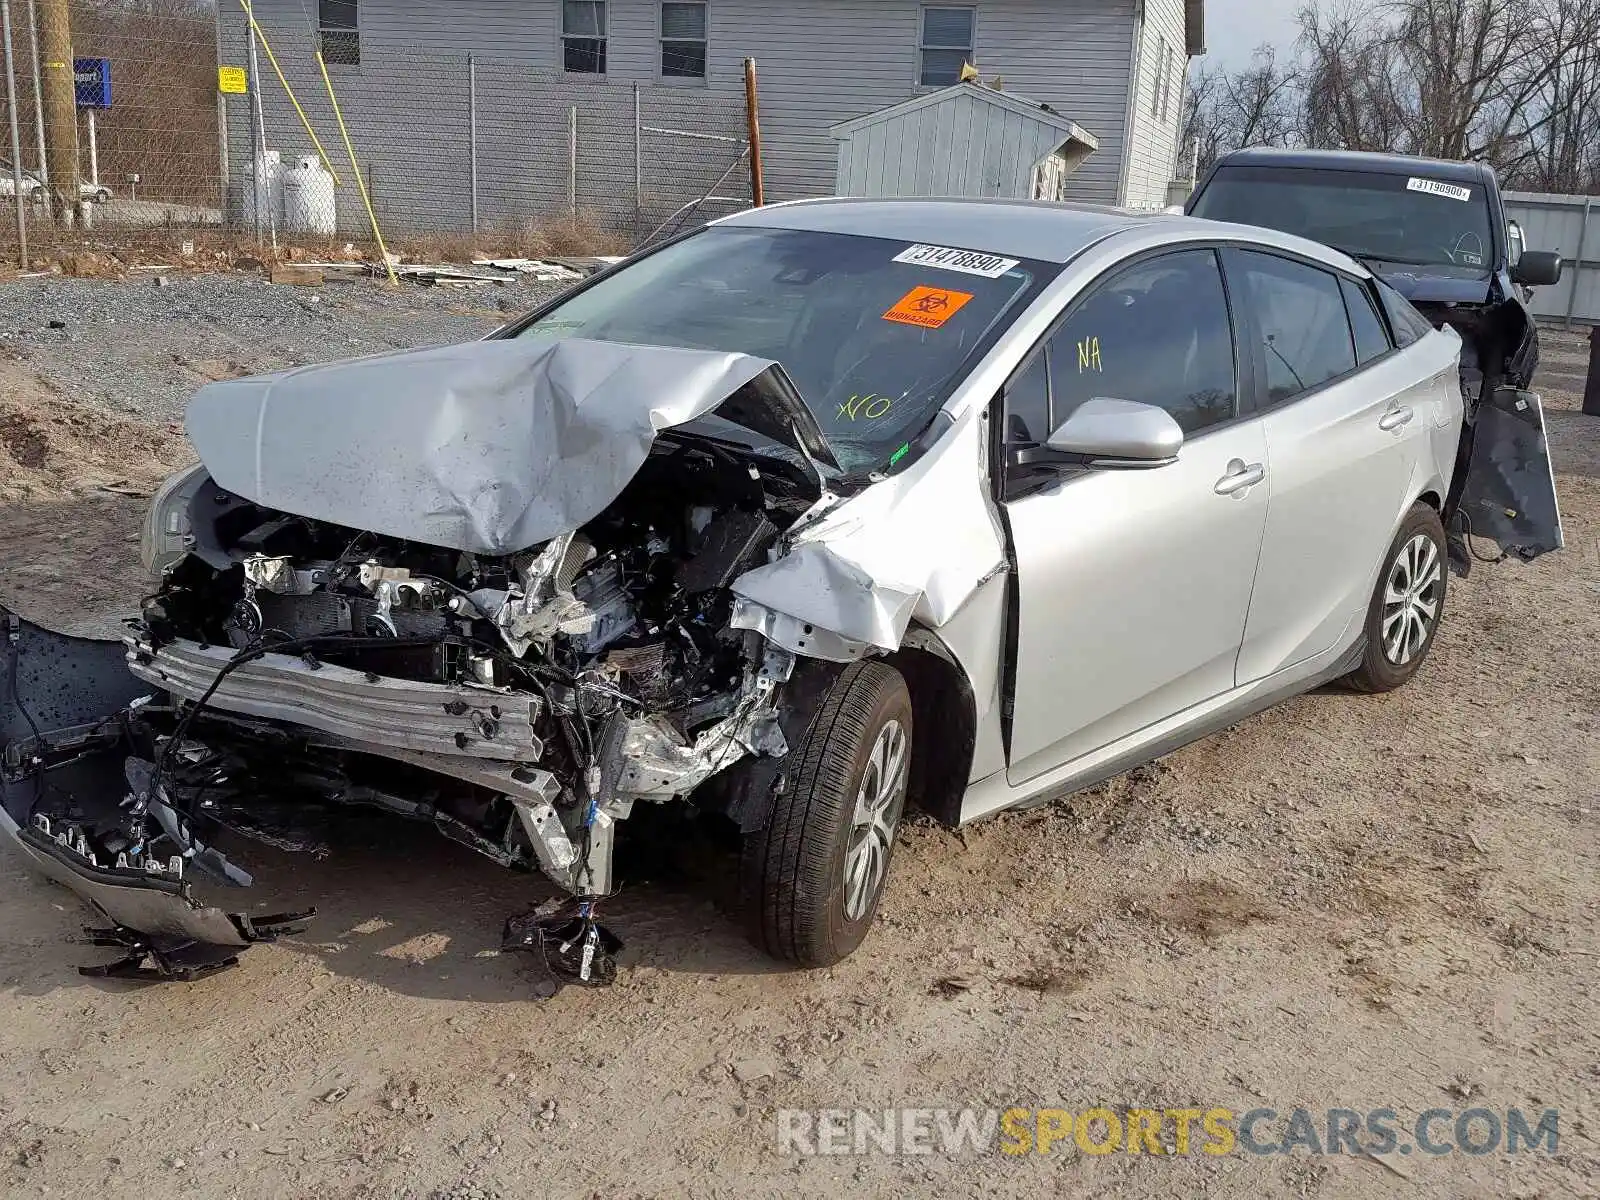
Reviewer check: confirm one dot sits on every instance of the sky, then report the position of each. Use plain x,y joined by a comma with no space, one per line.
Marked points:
1234,28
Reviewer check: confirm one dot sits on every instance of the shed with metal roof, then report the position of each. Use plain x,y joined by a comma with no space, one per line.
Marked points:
966,140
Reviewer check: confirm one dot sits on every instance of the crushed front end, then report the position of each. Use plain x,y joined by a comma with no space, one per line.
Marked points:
522,702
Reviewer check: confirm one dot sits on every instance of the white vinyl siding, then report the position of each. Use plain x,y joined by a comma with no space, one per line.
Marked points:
1158,86
820,62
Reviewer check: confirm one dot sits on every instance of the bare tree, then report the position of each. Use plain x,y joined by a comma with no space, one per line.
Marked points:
1510,81
1255,106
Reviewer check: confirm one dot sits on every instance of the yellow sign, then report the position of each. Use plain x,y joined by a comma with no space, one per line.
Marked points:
232,81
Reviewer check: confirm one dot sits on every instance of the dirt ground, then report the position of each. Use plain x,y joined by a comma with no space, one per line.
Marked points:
1348,901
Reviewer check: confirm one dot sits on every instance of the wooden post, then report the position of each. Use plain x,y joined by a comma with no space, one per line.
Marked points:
16,141
752,117
60,106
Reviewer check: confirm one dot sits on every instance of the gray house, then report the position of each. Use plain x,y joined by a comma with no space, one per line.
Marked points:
478,112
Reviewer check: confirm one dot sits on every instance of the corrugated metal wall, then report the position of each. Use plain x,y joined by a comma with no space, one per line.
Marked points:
1571,225
821,62
961,146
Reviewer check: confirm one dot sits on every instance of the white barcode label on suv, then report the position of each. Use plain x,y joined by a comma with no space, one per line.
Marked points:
968,262
1434,188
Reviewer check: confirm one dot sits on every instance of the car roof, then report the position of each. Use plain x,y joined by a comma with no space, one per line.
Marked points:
1043,230
1038,229
1357,160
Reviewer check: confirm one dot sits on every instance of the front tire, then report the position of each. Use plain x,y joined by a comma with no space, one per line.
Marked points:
812,879
1407,604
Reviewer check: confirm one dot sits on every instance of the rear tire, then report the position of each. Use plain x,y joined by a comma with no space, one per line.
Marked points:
812,879
1406,606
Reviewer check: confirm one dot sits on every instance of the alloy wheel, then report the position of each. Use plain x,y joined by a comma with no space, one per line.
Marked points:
879,803
1411,598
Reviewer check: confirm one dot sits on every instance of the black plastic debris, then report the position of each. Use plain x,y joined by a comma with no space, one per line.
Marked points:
166,959
566,946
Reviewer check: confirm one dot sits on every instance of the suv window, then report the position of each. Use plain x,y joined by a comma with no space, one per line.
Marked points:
1300,320
1157,332
1371,340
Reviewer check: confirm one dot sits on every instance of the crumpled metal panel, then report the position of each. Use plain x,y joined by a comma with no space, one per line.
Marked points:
480,723
489,447
1510,491
915,546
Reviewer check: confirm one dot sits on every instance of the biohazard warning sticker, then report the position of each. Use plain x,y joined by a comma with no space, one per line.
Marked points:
929,307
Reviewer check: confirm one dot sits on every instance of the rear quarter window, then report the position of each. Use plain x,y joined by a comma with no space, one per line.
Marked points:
1407,323
1372,340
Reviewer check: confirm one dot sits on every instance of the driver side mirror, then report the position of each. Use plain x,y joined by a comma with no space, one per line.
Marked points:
1537,268
1109,433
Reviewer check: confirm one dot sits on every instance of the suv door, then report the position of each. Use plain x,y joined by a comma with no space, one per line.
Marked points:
1346,431
1131,586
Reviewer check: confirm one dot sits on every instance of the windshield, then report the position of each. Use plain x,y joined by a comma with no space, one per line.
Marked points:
1411,221
874,332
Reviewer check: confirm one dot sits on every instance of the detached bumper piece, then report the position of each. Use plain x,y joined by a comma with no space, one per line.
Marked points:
164,932
157,959
1509,495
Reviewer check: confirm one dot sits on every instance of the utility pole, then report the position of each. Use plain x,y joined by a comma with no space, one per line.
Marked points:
60,107
16,138
38,101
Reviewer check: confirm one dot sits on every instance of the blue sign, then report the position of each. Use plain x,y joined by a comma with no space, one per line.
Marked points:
91,79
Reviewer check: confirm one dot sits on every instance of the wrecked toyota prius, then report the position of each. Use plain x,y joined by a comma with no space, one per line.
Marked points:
819,508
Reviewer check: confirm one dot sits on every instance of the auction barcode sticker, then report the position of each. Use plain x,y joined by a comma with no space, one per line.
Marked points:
1434,188
968,262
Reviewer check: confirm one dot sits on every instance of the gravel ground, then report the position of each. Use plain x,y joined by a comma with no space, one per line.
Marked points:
1347,901
137,347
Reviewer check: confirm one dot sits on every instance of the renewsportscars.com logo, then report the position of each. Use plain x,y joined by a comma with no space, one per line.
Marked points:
1164,1131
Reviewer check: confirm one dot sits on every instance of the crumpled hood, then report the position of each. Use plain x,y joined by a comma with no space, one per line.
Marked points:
489,447
1424,288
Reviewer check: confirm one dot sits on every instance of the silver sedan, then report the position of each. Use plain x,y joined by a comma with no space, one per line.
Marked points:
819,510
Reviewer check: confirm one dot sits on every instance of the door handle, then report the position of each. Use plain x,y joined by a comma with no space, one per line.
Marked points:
1241,475
1395,418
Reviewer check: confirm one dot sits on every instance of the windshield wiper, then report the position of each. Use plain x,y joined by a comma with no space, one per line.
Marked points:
1369,256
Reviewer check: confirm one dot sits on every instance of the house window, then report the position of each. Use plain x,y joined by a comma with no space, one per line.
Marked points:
946,44
583,36
1166,79
336,32
683,41
1161,67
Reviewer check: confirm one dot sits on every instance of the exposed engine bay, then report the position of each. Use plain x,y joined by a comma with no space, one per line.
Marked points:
522,704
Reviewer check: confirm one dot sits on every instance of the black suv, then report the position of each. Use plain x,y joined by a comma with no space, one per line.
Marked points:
1436,233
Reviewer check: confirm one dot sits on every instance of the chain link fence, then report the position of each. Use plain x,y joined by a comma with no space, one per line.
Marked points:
450,146
150,160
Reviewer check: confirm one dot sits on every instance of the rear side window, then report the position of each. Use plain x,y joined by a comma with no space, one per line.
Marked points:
1371,339
1408,324
1299,319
